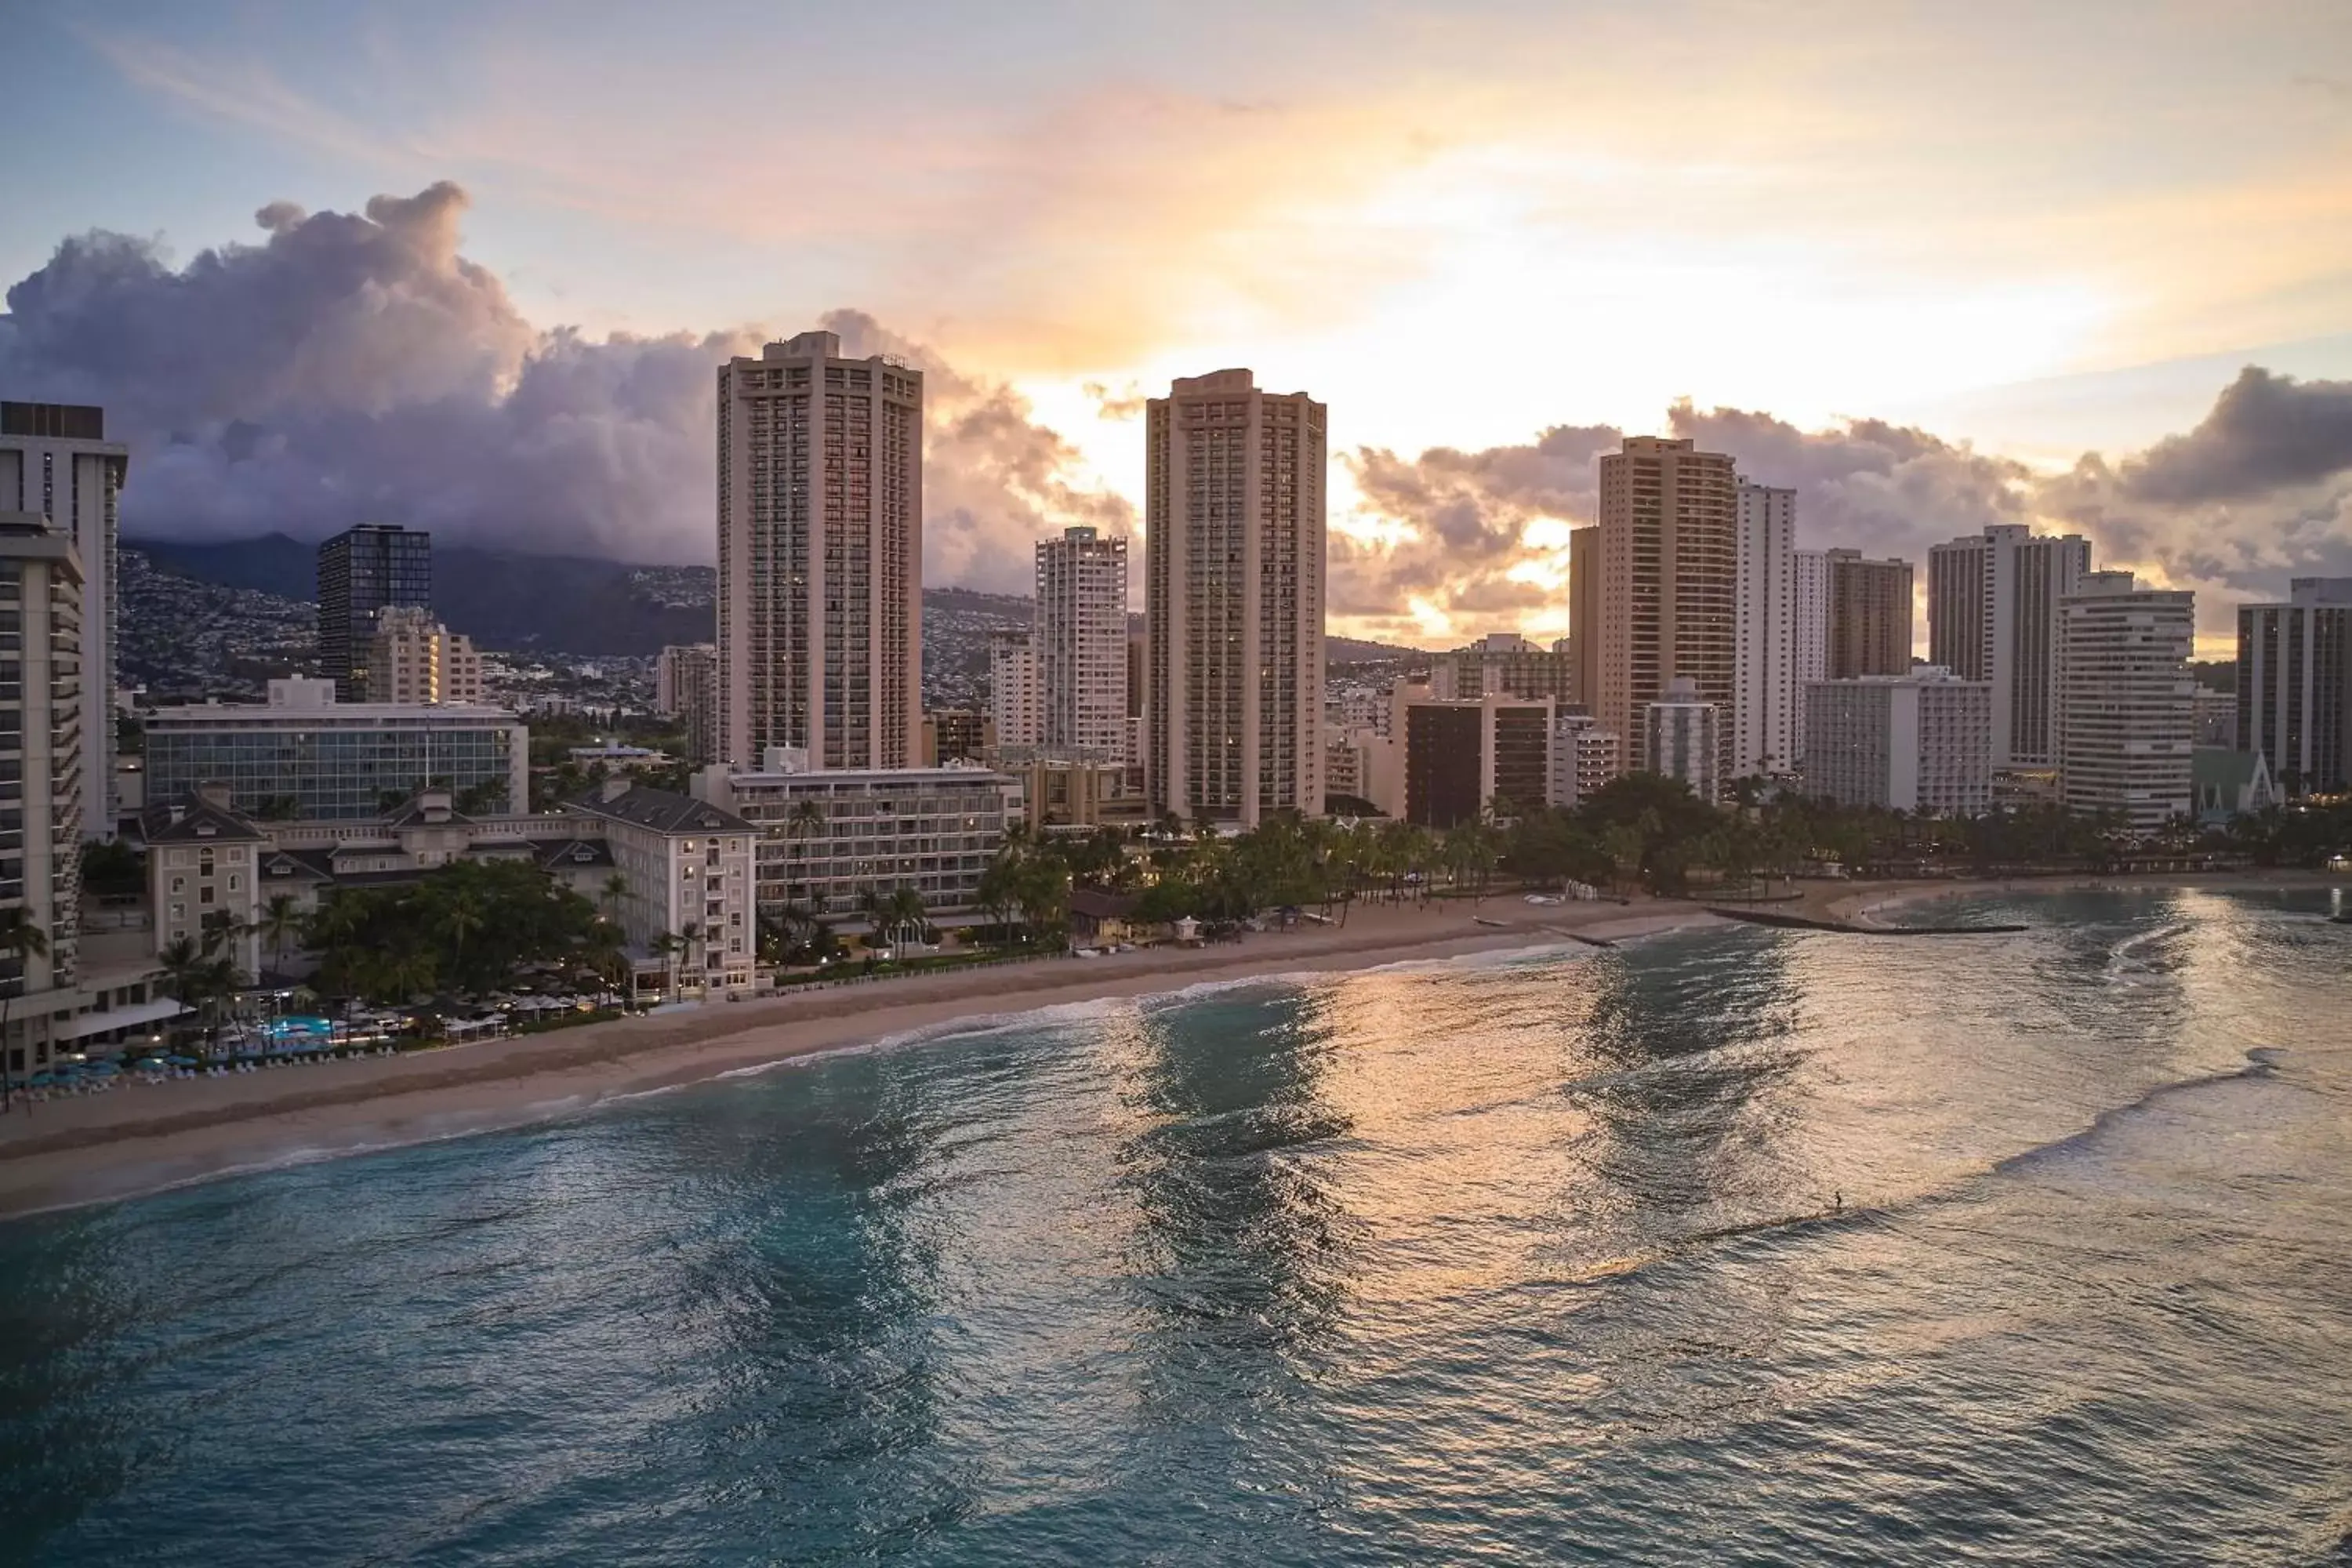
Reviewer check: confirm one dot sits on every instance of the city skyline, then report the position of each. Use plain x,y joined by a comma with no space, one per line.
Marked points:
1920,352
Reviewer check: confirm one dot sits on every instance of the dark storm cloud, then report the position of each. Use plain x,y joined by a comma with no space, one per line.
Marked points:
2265,433
355,367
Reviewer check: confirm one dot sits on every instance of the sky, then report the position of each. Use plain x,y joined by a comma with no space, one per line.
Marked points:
471,267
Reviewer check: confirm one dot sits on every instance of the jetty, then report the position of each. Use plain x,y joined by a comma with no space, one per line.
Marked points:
1806,922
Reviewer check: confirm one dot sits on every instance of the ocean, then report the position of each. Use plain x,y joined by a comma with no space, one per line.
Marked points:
1728,1246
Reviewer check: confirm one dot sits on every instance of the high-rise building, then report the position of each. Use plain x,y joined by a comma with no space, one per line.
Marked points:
1765,624
1459,756
1584,613
2294,685
363,571
1505,664
957,735
1669,579
1081,643
1916,742
41,590
57,463
1992,615
1233,487
413,658
2127,702
1013,689
1809,644
820,555
1870,616
303,756
1682,738
686,685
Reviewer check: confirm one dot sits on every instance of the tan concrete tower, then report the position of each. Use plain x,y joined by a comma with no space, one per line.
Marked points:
820,556
1669,579
1233,595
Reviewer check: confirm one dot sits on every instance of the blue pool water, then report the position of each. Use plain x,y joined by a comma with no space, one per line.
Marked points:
1732,1246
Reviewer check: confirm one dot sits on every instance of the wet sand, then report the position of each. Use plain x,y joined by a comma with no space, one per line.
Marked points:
139,1137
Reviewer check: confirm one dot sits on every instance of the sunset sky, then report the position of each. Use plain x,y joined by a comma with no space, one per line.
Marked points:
1916,259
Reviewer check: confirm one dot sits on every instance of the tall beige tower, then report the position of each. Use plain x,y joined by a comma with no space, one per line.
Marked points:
1233,596
820,556
1669,579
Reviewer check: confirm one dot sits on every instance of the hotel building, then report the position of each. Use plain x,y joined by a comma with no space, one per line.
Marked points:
2127,702
826,837
302,755
1916,742
1870,616
1669,583
363,571
414,658
1682,738
1765,624
1992,615
686,870
1809,645
686,685
2294,685
41,710
1504,664
1012,688
56,464
1234,483
820,555
1080,645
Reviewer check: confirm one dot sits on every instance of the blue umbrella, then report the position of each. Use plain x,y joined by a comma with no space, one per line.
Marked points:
180,1061
101,1070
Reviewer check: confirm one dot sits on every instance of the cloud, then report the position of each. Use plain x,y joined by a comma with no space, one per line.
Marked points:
2265,433
356,367
1116,403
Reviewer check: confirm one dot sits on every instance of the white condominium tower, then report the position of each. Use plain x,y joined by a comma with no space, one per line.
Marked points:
1992,615
1080,645
1765,622
56,464
1233,541
820,556
1012,688
2127,703
1809,646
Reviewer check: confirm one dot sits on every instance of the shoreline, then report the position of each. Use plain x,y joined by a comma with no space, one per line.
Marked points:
140,1138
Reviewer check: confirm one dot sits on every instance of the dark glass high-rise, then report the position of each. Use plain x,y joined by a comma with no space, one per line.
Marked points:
363,570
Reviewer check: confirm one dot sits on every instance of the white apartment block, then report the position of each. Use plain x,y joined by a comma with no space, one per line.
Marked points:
2126,701
687,871
826,837
1013,689
820,555
1234,543
414,658
55,462
1992,615
1765,627
1682,738
1920,742
1809,637
1584,757
1081,643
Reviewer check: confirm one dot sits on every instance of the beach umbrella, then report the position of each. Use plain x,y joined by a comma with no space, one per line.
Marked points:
180,1061
100,1069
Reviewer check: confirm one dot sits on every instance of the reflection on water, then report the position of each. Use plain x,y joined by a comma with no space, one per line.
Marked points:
1530,1261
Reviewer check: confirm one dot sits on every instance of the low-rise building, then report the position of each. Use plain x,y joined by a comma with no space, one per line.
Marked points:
684,896
1584,757
303,756
1915,742
204,876
958,735
413,658
829,837
1067,790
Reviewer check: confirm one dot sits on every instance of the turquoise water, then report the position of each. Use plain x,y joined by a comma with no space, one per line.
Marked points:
1733,1246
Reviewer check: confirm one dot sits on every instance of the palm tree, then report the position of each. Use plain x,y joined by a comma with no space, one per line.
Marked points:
280,919
666,945
616,888
21,937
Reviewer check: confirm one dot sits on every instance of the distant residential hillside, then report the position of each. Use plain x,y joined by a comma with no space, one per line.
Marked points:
574,605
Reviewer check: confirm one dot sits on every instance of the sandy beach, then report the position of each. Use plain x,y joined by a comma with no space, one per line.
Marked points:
139,1137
